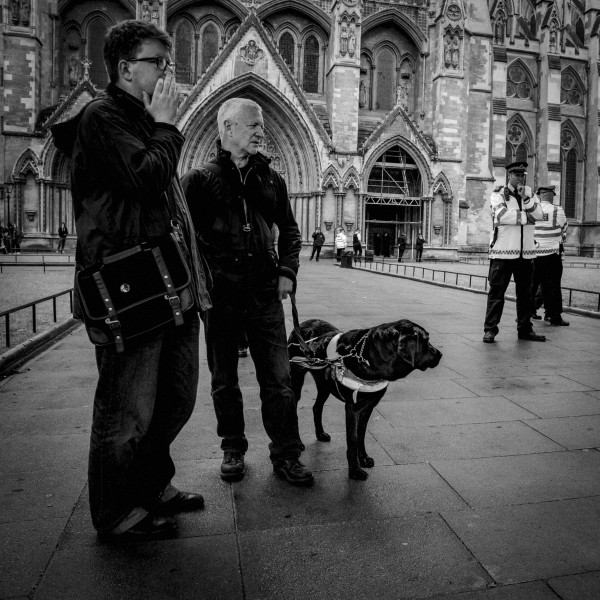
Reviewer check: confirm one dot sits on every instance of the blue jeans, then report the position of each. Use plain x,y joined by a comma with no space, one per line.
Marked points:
264,324
144,397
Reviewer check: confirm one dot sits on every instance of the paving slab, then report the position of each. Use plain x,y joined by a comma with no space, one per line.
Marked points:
532,541
585,586
571,432
525,479
145,570
418,444
415,413
565,404
390,491
26,547
520,591
388,559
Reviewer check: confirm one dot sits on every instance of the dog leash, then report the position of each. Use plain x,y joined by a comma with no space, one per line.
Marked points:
306,349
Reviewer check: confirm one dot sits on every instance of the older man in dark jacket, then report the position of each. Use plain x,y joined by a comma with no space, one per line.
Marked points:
124,150
235,201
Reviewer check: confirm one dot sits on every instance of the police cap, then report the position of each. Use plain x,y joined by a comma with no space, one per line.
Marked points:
517,167
546,188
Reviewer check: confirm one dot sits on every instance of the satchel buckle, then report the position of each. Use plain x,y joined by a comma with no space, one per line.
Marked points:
174,301
113,324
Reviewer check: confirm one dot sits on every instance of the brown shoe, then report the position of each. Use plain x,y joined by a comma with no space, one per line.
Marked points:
233,467
293,471
181,502
488,337
532,337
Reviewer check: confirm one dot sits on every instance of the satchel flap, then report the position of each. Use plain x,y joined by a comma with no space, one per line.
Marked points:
132,277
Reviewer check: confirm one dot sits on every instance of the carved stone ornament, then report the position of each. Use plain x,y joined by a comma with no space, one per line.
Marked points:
350,2
251,53
454,13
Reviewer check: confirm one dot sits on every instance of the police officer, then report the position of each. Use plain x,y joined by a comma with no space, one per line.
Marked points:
550,233
515,209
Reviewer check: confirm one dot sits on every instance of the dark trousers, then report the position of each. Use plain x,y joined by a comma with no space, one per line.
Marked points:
357,250
501,270
265,328
400,254
419,254
61,244
143,399
547,273
316,250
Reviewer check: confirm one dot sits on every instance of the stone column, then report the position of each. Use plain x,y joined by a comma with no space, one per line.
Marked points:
592,163
343,74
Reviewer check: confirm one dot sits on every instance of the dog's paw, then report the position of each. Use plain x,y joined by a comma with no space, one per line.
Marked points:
323,437
366,461
358,474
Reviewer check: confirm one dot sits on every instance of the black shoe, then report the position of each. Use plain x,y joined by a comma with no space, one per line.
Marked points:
181,502
532,337
242,352
233,467
559,321
488,337
536,316
150,527
293,471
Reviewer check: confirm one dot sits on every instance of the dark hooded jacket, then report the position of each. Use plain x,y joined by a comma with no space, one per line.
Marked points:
234,212
123,170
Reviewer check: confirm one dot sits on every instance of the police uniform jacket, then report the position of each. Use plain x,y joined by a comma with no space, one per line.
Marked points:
552,230
514,235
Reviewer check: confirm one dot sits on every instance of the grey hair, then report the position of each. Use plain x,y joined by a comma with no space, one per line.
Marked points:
230,108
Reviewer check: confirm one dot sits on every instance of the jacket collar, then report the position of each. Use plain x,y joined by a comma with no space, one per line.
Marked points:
254,160
129,101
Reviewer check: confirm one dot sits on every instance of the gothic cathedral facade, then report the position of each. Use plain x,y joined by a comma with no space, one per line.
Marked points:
390,116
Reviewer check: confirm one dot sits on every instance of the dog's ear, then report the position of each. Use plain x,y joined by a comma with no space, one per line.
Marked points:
408,347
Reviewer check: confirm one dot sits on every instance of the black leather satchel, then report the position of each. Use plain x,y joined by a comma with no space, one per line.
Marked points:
135,291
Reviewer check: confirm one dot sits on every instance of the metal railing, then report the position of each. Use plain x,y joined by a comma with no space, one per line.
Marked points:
45,263
6,314
588,299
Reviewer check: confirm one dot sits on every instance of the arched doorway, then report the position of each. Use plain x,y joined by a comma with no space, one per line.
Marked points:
393,202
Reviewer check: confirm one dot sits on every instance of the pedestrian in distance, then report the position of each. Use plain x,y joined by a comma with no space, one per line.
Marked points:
250,280
318,241
17,238
419,242
357,245
515,210
124,149
401,246
63,232
340,244
550,234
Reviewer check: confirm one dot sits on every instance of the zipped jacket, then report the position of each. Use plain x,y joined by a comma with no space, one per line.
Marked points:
234,212
123,169
513,235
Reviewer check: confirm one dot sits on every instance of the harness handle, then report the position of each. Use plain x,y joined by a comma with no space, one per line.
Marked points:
306,350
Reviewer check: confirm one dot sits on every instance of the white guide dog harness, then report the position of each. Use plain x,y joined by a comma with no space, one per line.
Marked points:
343,375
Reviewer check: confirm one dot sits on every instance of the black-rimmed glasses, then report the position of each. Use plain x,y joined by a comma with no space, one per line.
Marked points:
160,61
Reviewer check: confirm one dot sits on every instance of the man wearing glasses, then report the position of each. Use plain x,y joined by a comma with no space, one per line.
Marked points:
124,151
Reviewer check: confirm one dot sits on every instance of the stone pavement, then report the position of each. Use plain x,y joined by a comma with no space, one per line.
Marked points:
486,484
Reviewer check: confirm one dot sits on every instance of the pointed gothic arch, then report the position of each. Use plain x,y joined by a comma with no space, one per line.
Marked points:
520,81
572,168
572,88
442,186
289,141
27,162
352,179
331,179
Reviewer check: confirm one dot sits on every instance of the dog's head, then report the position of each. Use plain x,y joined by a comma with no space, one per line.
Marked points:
399,348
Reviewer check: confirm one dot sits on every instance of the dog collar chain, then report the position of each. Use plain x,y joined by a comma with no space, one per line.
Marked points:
353,353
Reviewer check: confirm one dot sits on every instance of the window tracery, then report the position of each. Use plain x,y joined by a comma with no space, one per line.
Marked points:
519,83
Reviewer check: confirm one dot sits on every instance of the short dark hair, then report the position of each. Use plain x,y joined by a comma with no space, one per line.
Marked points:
122,40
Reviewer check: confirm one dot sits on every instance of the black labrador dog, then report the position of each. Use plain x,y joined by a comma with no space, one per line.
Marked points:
356,366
